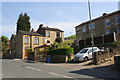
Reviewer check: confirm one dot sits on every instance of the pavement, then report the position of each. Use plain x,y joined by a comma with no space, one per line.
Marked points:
21,69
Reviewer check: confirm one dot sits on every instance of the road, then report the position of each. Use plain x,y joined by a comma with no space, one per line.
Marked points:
21,69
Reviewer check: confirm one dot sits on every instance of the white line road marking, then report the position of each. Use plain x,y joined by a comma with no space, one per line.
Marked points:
17,59
50,73
33,68
59,75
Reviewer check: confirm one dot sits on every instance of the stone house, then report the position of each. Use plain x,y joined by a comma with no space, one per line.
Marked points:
24,40
50,34
100,26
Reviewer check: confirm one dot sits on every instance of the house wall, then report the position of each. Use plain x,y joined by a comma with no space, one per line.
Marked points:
53,36
100,27
12,45
31,43
18,47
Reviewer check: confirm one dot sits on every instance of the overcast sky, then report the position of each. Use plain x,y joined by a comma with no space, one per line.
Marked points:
62,15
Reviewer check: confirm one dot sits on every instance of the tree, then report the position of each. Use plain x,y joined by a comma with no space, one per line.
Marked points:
59,40
23,22
3,42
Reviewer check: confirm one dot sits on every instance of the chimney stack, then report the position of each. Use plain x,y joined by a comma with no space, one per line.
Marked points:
33,30
41,26
104,14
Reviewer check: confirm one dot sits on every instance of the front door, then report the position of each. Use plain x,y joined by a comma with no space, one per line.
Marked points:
26,53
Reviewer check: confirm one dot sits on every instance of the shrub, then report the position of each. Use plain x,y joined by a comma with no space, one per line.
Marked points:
30,51
61,51
58,45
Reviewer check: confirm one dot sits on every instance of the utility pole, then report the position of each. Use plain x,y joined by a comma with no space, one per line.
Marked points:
92,38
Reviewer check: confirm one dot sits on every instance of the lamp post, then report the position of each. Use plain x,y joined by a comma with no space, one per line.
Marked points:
92,40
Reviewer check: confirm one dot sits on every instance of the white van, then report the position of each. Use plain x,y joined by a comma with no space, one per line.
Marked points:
85,54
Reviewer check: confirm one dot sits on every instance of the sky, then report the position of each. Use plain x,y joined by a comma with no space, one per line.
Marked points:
63,15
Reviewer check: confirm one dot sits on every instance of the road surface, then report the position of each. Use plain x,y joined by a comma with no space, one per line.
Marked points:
21,69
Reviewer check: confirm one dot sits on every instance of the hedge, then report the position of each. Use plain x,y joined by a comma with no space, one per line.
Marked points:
61,51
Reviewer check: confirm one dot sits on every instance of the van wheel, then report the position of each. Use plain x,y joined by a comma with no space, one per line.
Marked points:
86,59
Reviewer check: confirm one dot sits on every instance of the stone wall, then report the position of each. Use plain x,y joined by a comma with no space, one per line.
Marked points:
104,56
58,58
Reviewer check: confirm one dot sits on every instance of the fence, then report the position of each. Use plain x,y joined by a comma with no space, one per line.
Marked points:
100,40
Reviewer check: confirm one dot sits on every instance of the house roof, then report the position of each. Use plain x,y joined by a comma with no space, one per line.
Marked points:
104,16
29,33
52,29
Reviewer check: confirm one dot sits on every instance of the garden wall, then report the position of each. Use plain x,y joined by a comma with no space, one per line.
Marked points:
103,56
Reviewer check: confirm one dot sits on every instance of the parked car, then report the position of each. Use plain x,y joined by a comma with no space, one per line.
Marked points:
85,54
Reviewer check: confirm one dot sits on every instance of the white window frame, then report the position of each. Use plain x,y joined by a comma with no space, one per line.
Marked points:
91,26
107,32
107,21
47,33
36,40
83,29
26,40
117,18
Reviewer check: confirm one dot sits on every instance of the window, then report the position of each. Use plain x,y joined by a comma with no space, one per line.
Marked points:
107,22
90,51
26,40
107,32
58,34
83,51
47,33
117,19
83,29
91,26
36,40
45,40
118,30
77,29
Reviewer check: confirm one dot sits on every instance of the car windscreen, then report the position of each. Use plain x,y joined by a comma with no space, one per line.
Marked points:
83,51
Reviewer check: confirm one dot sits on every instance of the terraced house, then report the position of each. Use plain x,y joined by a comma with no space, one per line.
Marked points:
24,40
104,25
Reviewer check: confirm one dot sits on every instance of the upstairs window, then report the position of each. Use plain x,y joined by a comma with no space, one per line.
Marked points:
83,29
47,33
26,40
107,22
58,34
117,19
77,29
107,32
91,26
36,40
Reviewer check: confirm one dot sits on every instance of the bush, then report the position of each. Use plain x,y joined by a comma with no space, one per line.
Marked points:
30,51
58,45
61,51
59,40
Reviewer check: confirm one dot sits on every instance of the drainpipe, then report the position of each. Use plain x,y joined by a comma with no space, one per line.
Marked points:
30,41
114,36
102,39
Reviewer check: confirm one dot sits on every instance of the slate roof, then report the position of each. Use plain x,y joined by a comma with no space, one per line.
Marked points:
29,33
52,29
106,15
